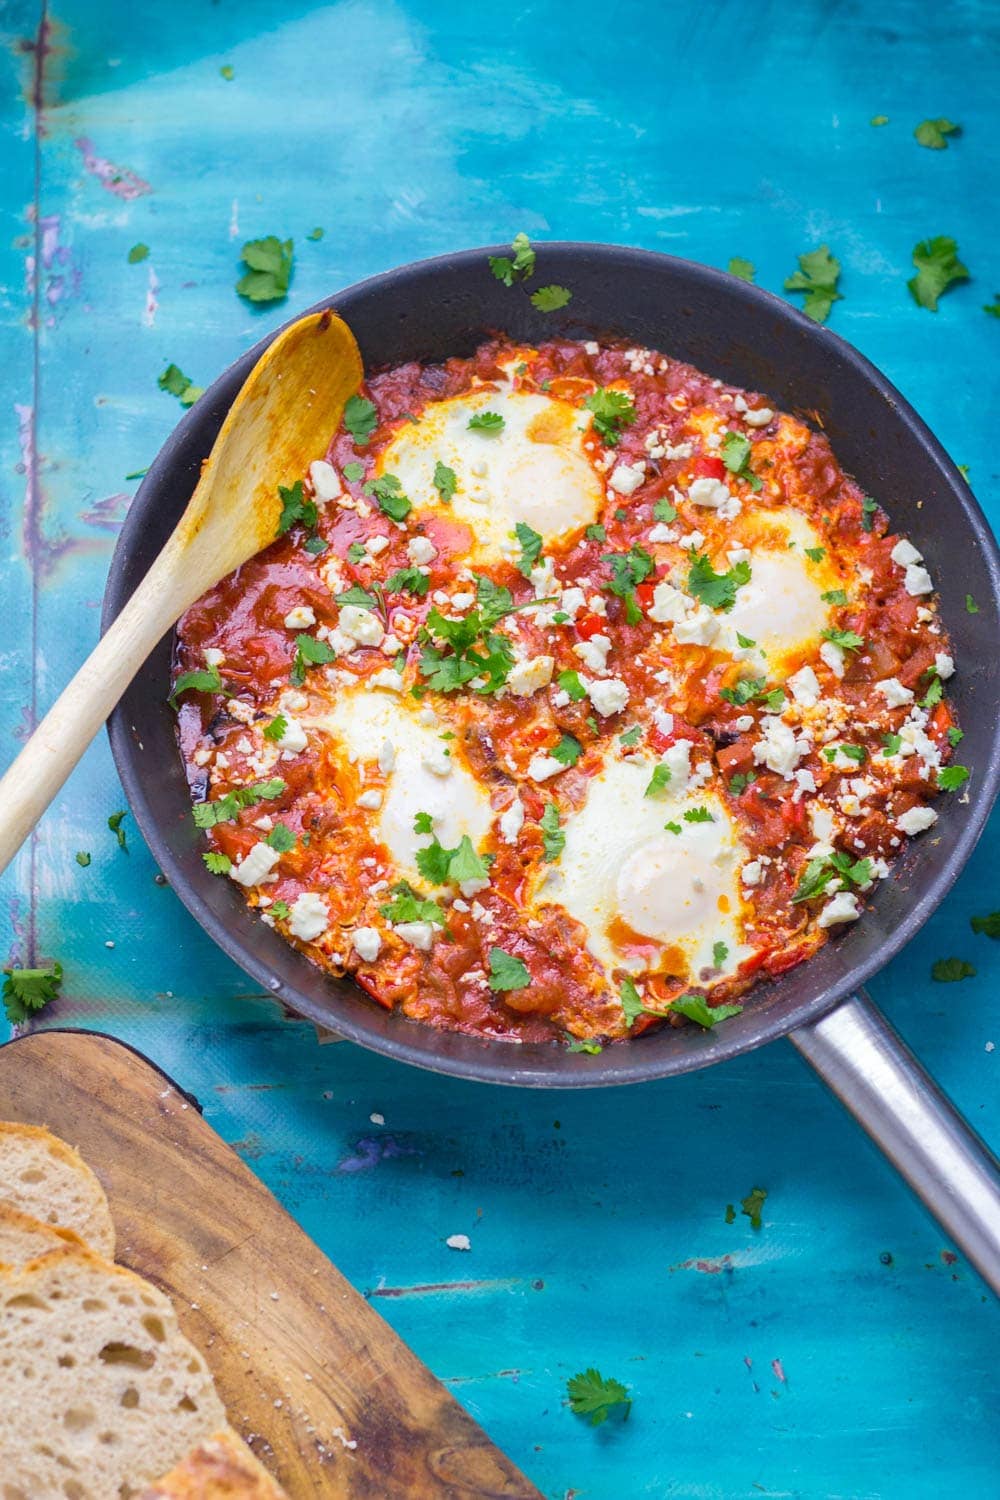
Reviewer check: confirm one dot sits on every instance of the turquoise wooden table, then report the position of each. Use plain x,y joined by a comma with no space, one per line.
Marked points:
840,1349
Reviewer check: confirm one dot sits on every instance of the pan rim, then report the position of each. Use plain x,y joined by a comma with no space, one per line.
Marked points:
496,1061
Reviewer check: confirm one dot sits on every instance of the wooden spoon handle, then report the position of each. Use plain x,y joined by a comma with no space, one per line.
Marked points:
35,777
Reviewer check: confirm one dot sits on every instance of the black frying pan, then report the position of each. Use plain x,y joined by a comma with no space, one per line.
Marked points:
446,306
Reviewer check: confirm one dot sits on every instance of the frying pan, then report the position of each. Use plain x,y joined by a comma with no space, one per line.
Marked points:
442,307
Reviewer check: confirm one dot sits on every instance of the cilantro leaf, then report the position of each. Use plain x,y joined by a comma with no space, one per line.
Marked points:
553,838
201,680
993,309
971,607
934,133
270,262
632,1006
216,863
817,276
571,684
664,511
879,120
281,838
354,471
26,991
356,552
388,491
596,533
752,1204
115,824
593,1396
847,640
697,815
486,421
747,689
407,906
455,652
137,253
735,454
410,579
316,234
612,410
716,590
423,823
441,866
955,736
360,419
295,507
628,570
938,268
445,481
226,809
593,1048
659,781
507,972
834,596
568,750
309,652
950,970
950,778
82,858
697,1008
176,383
550,298
280,910
531,546
744,269
989,925
815,554
631,736
819,872
720,952
519,266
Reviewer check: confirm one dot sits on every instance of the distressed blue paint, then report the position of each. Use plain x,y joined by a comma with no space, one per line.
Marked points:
407,129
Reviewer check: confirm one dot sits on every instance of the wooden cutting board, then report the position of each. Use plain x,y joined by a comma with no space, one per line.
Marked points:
329,1398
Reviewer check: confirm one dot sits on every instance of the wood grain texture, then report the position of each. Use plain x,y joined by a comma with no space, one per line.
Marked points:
329,1398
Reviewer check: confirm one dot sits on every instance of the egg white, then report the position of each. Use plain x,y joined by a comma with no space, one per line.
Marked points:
534,470
362,722
620,862
781,608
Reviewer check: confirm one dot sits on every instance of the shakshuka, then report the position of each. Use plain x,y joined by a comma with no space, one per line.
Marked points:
578,692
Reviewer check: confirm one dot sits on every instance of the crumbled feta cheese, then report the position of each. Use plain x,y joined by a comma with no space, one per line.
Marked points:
662,533
376,545
759,417
664,721
752,872
572,601
833,655
255,865
367,943
693,540
594,653
944,665
388,679
542,767
744,722
308,917
421,550
387,757
805,780
419,935
512,821
778,749
916,819
437,761
325,480
293,738
527,677
609,696
844,907
300,618
292,701
710,493
917,581
904,554
370,800
699,628
894,693
361,625
627,478
463,601
677,759
804,687
214,657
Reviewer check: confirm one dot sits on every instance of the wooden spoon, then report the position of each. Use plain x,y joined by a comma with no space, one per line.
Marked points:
281,420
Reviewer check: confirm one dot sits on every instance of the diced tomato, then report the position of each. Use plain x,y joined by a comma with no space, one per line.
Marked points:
589,625
794,814
941,721
706,467
644,593
735,759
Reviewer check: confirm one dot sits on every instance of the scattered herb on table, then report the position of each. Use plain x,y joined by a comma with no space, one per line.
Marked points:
752,1205
989,925
744,269
817,276
269,272
950,970
938,268
115,824
83,858
595,1397
228,72
879,120
934,133
137,253
176,383
27,991
316,234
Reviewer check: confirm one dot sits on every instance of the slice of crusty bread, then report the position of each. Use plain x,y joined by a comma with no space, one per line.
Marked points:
24,1238
102,1390
41,1175
220,1468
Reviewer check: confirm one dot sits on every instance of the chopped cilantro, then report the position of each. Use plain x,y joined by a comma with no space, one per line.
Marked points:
735,454
137,253
356,552
664,511
950,778
752,1204
359,597
276,729
82,858
971,607
697,1008
388,491
407,906
612,410
632,1006
892,743
934,133
456,652
568,750
281,838
628,570
819,872
201,680
659,781
817,276
486,421
354,470
673,828
441,866
751,689
115,824
934,693
744,269
571,684
593,1048
631,736
216,863
988,926
950,970
868,509
228,72
596,533
739,783
506,971
938,268
531,546
720,953
594,1396
518,266
445,481
550,298
269,263
857,753
815,554
423,823
847,640
27,991
309,652
316,234
745,641
225,809
697,815
553,838
295,508
360,419
314,545
716,590
410,579
834,596
280,910
955,735
879,120
176,383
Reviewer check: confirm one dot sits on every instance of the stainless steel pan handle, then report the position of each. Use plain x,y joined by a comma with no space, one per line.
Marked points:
873,1072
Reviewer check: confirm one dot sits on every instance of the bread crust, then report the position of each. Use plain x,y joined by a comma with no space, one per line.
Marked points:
97,1227
220,1468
